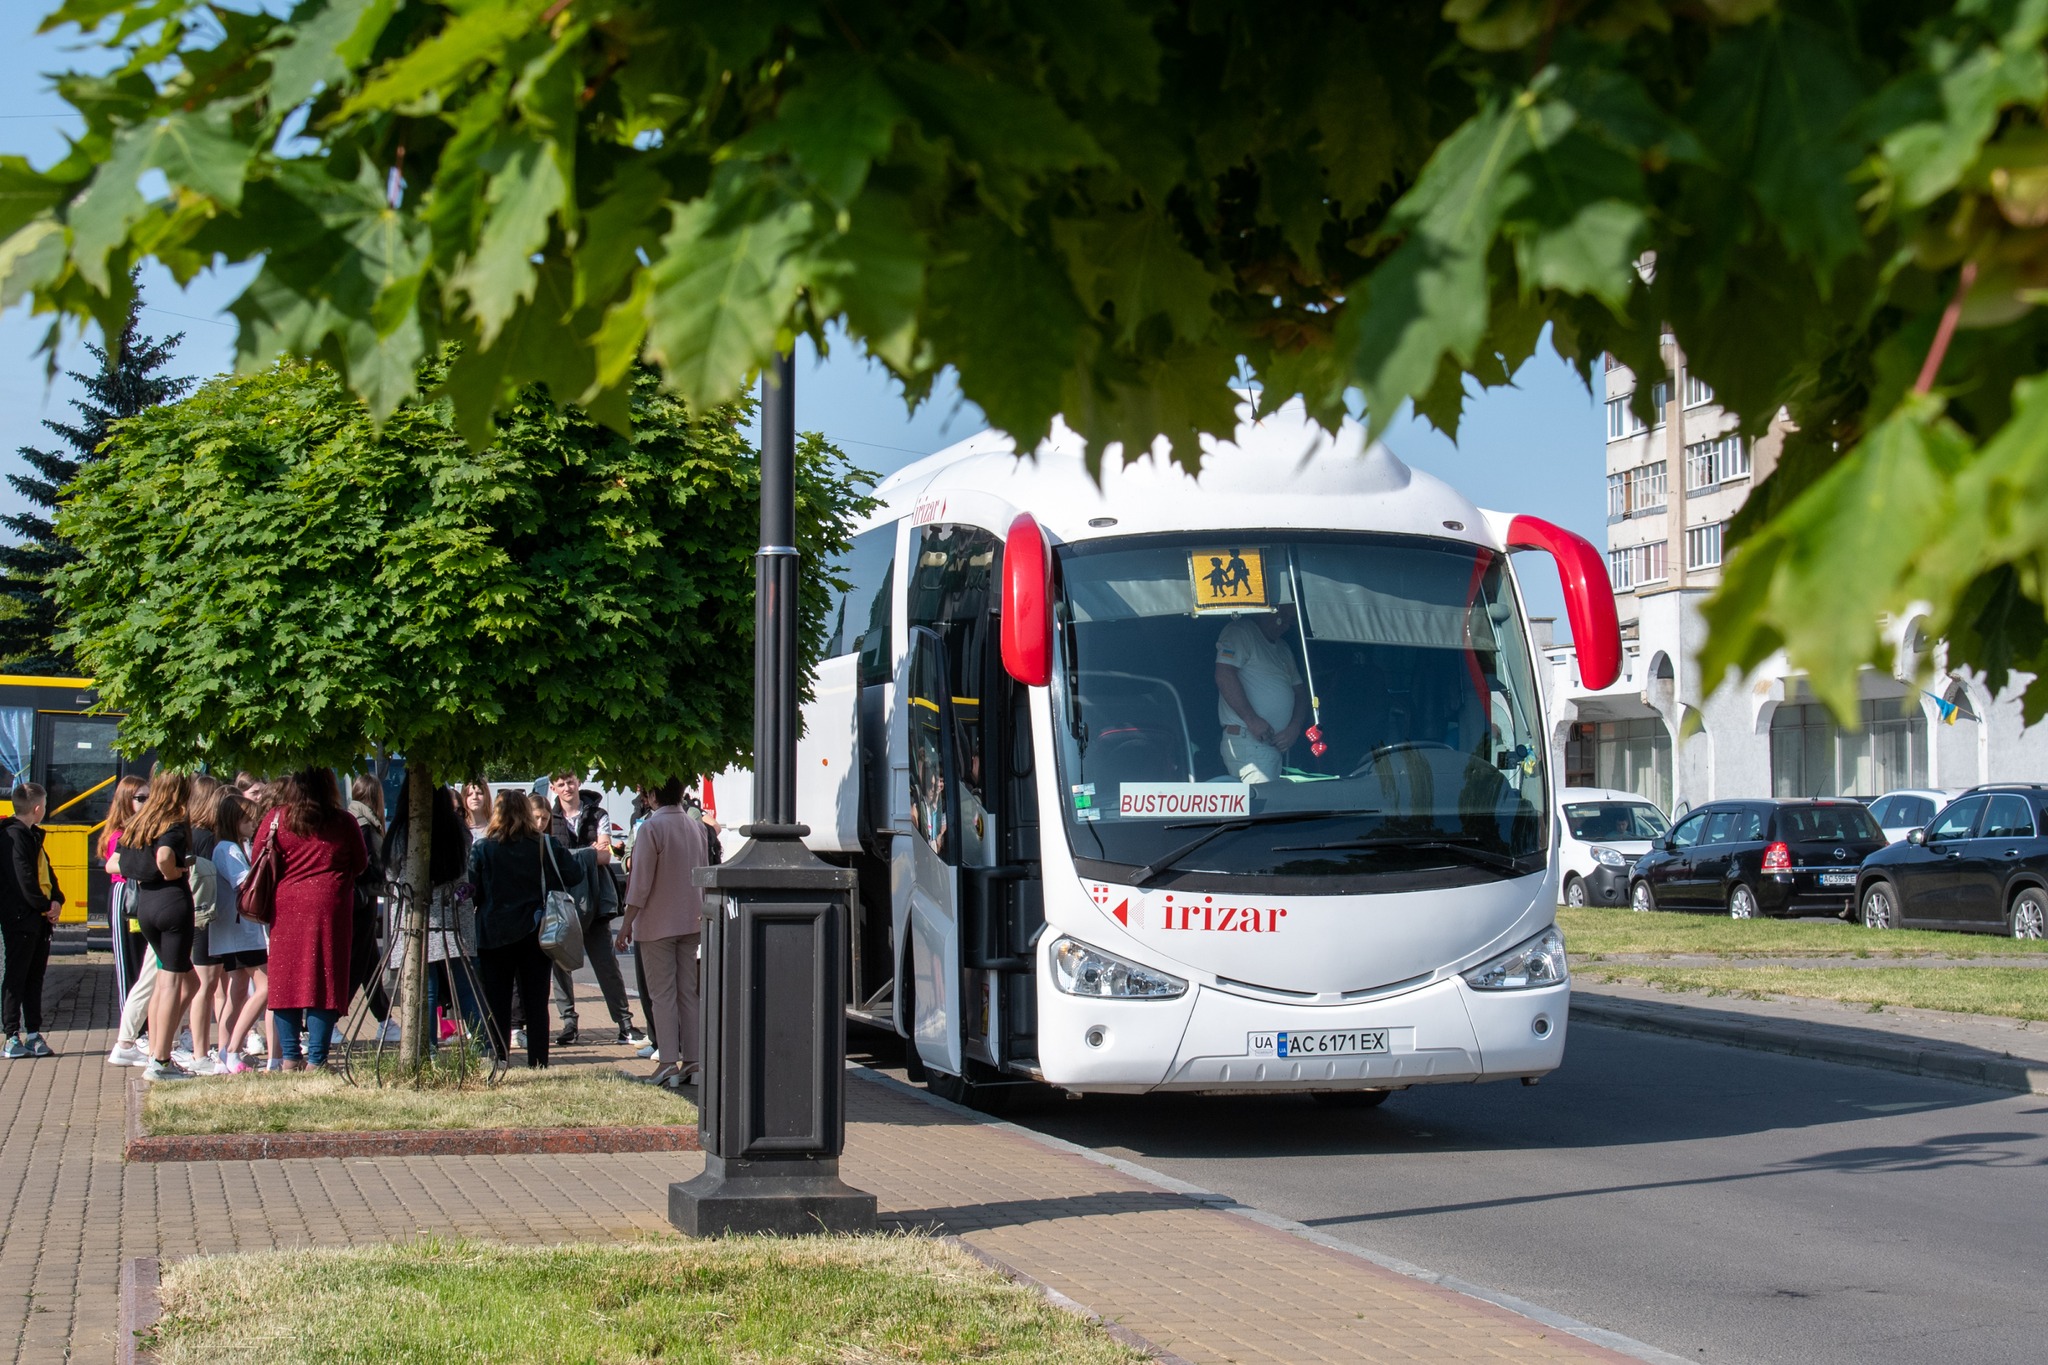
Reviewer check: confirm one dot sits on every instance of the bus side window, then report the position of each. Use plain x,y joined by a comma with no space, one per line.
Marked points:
17,741
867,570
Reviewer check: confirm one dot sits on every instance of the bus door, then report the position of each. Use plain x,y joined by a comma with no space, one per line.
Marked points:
971,839
76,762
926,871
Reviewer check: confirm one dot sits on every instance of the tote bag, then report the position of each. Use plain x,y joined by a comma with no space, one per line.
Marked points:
561,925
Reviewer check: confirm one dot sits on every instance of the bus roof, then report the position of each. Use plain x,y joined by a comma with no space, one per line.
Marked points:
1280,471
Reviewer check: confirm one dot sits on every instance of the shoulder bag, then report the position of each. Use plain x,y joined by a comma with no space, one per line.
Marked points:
257,901
561,923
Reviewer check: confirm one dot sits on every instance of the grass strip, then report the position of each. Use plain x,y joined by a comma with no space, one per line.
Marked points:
2015,992
317,1102
1598,930
838,1299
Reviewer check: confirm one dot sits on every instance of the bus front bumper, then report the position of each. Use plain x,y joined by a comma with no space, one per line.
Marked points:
1218,1040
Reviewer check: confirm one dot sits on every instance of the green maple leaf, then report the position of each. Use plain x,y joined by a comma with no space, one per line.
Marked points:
723,286
1134,264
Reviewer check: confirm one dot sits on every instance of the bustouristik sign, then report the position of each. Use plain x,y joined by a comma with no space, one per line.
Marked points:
1170,800
1187,914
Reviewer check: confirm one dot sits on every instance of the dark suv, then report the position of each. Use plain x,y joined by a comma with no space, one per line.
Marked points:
1750,858
1981,864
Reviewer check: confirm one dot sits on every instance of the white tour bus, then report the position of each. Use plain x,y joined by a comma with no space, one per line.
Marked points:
1082,863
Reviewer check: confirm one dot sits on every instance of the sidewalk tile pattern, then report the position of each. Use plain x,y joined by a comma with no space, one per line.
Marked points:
1204,1284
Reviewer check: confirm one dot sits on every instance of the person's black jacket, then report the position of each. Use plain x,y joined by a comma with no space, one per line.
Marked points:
22,902
581,833
508,878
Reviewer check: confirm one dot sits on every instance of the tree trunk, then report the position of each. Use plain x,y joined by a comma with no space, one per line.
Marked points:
413,1049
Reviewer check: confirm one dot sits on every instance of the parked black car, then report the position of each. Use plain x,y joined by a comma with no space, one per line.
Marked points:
1981,864
1750,858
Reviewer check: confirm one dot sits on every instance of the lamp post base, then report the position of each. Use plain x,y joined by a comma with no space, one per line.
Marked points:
779,1198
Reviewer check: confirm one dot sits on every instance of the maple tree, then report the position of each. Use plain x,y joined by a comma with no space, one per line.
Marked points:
1113,211
267,580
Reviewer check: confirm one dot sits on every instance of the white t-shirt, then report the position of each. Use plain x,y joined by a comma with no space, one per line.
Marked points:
1266,668
229,932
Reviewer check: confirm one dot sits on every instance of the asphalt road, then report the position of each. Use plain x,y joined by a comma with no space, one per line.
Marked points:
1721,1204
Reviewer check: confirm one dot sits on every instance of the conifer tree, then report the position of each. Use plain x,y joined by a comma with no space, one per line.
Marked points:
128,382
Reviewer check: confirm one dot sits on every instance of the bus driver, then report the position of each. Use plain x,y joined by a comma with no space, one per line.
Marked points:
1260,696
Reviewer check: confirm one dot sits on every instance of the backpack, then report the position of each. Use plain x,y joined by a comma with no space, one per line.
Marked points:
205,881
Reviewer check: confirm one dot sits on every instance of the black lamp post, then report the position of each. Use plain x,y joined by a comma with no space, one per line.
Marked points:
773,1115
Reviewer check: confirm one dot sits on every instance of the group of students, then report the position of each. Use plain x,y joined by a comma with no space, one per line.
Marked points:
179,849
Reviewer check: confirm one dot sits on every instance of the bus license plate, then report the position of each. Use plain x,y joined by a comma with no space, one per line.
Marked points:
1838,879
1331,1043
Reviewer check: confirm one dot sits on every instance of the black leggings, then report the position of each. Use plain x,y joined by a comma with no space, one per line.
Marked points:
167,926
24,958
524,966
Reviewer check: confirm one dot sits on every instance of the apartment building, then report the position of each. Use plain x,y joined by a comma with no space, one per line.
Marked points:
1673,483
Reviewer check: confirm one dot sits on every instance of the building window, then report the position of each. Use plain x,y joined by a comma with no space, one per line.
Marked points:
1697,390
1635,491
1660,398
1709,463
1637,565
1620,421
1812,756
1703,546
1625,755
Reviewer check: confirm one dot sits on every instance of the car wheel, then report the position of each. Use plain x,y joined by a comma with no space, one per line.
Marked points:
1574,891
1880,907
1641,899
1742,903
2030,914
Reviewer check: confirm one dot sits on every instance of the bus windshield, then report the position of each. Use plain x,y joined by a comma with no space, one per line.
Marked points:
1297,707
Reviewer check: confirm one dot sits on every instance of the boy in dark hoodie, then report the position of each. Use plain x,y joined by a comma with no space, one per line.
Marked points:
30,901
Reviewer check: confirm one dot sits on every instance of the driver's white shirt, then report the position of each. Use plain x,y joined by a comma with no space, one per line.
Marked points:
1265,667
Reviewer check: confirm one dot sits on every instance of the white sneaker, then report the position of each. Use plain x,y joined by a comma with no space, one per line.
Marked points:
127,1054
647,1051
388,1031
255,1046
518,1043
182,1056
167,1071
203,1066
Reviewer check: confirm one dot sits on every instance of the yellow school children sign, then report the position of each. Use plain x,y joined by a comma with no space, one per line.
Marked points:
1232,578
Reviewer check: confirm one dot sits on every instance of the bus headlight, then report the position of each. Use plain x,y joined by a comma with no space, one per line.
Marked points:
1078,969
1538,962
1608,857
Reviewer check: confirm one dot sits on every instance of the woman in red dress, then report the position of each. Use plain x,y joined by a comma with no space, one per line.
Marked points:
323,855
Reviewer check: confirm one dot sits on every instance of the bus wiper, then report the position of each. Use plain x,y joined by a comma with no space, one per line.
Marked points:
1466,849
1265,817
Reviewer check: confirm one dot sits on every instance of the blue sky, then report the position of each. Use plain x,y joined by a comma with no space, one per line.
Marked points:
1536,447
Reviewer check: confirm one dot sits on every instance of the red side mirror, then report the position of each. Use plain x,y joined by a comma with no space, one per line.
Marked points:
1027,603
1588,595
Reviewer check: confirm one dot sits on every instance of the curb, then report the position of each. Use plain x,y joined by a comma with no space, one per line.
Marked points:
1817,1042
138,1309
399,1142
1223,1203
1115,1330
411,1142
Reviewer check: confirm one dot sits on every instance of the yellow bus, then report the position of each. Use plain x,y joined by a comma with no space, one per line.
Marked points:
47,737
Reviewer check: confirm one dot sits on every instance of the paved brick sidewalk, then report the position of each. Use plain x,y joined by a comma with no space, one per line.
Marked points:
1205,1284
